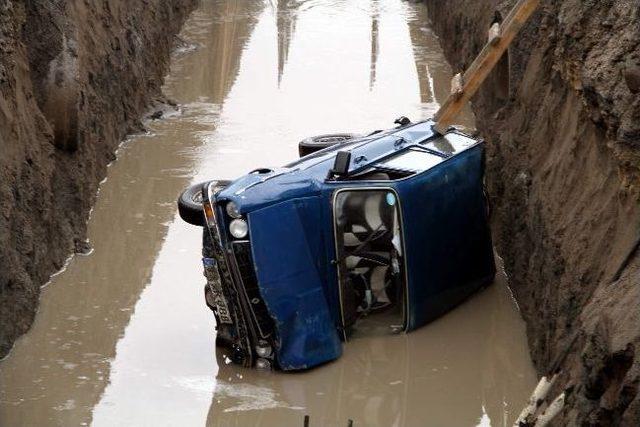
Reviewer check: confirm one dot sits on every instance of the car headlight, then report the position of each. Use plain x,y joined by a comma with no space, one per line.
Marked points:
263,349
232,210
239,228
263,364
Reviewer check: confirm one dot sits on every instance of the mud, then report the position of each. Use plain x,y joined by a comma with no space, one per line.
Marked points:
123,336
75,76
563,180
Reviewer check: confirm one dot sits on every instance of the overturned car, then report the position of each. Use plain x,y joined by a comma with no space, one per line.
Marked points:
389,226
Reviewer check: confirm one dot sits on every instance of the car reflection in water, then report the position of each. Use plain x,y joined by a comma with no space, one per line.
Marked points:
452,372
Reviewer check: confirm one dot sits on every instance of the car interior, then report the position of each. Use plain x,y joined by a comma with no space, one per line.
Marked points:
370,257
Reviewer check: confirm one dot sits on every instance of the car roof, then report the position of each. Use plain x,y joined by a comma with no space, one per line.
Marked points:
306,176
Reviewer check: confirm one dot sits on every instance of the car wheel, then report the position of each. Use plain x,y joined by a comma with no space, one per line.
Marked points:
319,142
190,203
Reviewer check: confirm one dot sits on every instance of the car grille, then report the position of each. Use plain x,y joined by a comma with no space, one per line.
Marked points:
246,271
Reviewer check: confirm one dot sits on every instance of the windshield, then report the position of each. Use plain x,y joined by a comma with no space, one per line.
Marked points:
370,260
451,143
412,161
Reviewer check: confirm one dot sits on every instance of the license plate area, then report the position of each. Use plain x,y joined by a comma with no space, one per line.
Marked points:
243,263
217,298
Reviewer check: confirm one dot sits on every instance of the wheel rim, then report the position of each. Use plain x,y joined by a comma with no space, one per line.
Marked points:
333,138
197,197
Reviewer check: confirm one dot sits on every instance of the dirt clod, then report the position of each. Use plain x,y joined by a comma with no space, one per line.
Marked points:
632,76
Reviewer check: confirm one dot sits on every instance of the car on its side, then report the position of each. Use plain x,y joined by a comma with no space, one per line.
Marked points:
391,226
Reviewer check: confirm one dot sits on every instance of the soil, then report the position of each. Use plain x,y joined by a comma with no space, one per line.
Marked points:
75,77
562,116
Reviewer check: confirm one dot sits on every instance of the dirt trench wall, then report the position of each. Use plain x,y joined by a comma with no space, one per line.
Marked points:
75,76
562,118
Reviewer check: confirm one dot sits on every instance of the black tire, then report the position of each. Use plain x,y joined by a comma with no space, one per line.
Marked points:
190,203
319,142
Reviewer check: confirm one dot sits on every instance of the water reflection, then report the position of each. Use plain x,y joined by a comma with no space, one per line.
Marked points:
286,14
434,73
466,367
374,43
219,31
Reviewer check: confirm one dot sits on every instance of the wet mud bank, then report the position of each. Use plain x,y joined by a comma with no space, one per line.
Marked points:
75,78
562,115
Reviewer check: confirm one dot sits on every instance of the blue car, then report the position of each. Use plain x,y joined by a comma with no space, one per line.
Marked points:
385,231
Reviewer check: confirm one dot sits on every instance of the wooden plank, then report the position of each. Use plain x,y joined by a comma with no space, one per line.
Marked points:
485,62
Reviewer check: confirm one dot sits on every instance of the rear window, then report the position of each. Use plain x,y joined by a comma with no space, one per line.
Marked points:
450,144
412,161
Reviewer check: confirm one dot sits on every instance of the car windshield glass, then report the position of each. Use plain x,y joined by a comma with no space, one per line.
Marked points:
450,143
412,160
370,260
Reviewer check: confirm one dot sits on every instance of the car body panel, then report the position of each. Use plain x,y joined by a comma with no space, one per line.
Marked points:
449,250
290,251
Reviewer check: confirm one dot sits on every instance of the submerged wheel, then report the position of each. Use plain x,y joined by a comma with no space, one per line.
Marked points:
319,142
190,202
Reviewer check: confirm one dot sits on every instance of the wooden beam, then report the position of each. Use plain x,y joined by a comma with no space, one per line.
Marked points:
500,37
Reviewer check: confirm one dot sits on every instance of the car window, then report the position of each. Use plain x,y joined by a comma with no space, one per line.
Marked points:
412,160
370,259
450,143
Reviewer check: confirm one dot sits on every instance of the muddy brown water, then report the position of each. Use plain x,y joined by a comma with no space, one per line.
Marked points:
123,337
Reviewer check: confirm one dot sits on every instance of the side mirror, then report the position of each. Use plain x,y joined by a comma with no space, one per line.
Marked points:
341,164
402,121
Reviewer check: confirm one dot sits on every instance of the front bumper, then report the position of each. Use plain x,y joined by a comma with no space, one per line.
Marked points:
243,321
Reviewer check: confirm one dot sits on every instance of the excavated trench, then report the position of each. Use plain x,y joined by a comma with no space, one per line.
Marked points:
123,336
562,117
